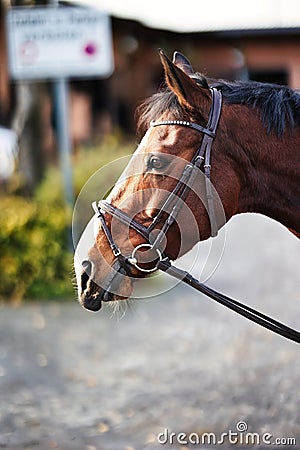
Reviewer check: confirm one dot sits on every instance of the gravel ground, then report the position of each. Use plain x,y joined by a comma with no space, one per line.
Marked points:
74,380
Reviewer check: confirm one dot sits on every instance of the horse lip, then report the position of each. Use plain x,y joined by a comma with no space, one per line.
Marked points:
94,302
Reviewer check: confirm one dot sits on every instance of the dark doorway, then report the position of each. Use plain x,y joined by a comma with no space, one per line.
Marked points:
277,76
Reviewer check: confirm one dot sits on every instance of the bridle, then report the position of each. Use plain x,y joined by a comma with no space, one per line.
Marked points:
174,201
172,205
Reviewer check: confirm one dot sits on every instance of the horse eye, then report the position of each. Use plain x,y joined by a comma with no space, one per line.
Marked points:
156,163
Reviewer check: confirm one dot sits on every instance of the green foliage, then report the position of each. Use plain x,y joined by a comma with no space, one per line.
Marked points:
86,162
35,258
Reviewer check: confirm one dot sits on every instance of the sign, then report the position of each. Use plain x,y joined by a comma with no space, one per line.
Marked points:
59,42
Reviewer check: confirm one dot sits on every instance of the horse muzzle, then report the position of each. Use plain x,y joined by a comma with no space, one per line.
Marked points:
92,292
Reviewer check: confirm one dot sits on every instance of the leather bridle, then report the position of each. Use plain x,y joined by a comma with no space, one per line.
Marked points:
172,206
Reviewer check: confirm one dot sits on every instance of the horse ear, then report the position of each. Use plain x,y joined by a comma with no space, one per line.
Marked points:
184,87
183,63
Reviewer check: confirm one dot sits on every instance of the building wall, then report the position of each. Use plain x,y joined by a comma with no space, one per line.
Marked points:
276,54
220,58
269,56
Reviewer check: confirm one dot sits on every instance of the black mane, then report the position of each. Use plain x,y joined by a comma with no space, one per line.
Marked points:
279,105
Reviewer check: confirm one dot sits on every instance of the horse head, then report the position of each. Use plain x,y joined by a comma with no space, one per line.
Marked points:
149,214
143,189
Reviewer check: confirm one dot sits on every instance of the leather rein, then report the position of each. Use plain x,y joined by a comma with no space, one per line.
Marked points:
173,204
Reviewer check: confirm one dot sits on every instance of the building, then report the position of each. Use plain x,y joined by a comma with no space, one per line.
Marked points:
264,48
269,55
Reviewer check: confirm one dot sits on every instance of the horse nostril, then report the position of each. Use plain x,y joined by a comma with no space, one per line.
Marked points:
87,267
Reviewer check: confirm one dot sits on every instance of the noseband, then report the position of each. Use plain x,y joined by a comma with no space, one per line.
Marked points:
172,205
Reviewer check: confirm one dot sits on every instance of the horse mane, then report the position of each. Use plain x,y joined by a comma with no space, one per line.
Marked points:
279,105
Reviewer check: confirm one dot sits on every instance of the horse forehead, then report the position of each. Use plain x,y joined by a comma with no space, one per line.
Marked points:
161,137
129,177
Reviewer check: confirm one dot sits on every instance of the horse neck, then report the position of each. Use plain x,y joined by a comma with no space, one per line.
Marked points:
269,172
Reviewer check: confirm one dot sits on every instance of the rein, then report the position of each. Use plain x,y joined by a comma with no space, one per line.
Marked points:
244,310
173,204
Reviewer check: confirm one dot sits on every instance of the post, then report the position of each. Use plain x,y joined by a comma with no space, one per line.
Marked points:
61,99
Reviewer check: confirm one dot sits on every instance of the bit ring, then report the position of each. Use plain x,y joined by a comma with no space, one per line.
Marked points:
134,261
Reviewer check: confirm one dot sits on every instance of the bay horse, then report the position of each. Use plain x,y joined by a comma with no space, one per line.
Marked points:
243,136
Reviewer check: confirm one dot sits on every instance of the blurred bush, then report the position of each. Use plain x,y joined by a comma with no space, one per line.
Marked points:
35,258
